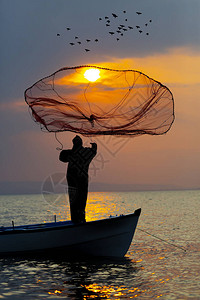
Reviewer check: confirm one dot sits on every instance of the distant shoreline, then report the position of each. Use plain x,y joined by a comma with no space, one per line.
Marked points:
24,188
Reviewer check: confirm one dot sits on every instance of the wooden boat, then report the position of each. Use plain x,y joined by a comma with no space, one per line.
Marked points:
107,237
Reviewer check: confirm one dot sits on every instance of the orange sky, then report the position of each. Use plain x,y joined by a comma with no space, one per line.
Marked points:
171,159
170,55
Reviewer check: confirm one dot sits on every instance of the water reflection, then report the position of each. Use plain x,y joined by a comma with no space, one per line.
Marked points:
108,279
154,269
99,278
85,279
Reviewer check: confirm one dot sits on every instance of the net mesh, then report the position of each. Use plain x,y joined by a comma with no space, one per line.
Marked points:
118,102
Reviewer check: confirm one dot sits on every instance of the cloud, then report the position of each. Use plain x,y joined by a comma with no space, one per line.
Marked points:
176,66
16,105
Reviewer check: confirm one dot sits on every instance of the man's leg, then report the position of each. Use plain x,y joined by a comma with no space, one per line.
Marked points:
83,200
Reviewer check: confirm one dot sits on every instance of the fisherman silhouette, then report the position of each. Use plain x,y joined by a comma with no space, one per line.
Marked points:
79,159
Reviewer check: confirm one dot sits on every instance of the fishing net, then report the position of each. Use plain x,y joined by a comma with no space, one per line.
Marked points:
92,100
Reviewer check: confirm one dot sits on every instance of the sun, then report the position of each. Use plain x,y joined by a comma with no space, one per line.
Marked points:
92,74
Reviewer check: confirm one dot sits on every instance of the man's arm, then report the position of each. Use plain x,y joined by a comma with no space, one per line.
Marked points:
94,148
65,155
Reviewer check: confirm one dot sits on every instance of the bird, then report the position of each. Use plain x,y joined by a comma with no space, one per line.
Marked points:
88,41
106,17
147,33
122,25
96,40
137,26
87,50
146,24
107,24
126,20
58,34
76,37
68,28
117,39
140,31
72,44
124,11
114,15
111,32
118,31
150,21
79,43
138,13
122,34
108,21
130,27
100,19
125,29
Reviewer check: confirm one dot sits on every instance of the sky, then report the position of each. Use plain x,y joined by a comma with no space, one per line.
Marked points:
31,49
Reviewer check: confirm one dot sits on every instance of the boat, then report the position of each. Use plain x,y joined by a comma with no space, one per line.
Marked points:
110,237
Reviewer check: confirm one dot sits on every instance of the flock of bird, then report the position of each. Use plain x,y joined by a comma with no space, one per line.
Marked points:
117,30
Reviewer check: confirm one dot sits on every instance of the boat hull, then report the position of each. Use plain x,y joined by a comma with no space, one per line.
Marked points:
107,237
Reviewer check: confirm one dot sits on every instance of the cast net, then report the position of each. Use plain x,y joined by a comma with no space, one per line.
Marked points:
92,100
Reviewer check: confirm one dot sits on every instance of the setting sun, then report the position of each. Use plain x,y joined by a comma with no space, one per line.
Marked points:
92,74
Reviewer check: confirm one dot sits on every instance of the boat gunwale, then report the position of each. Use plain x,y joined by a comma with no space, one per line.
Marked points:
56,226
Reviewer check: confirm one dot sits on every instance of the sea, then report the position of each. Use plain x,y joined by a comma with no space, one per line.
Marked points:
163,260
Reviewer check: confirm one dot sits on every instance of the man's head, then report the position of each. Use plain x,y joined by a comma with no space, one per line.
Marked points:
77,141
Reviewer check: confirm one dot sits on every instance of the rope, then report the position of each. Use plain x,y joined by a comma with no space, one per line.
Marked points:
58,148
162,240
87,99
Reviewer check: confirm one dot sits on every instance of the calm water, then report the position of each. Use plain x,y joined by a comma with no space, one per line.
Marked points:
151,269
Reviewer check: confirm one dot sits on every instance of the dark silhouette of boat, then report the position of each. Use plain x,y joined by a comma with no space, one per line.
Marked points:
106,237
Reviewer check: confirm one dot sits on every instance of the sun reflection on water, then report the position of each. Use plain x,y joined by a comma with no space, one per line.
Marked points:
110,291
55,292
99,205
102,205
